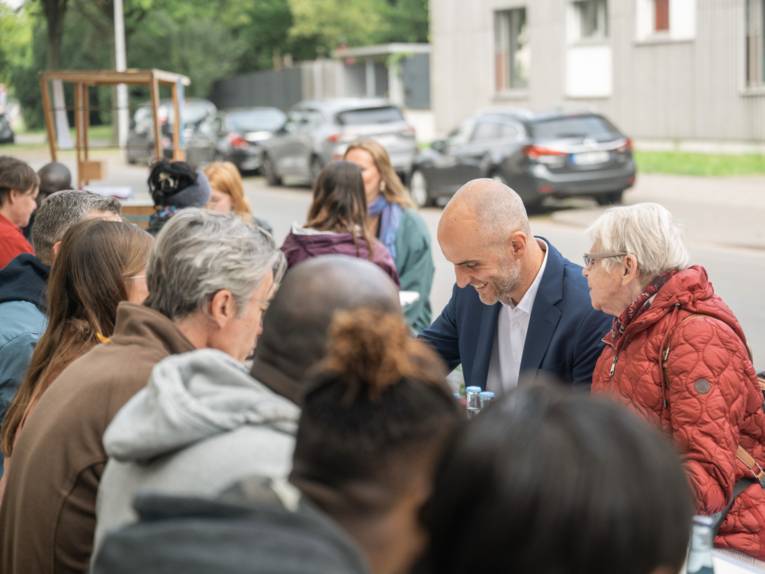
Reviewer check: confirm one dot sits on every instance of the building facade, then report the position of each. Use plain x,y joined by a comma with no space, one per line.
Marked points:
676,70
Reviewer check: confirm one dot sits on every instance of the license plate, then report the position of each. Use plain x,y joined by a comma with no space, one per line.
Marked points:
590,157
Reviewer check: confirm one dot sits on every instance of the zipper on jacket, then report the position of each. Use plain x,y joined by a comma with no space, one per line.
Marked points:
612,370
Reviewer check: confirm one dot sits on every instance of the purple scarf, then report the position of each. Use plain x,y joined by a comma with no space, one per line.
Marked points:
390,218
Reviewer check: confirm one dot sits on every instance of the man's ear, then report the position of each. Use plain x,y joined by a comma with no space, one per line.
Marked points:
518,241
222,307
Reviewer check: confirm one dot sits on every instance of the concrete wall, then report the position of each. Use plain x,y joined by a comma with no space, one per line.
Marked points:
673,88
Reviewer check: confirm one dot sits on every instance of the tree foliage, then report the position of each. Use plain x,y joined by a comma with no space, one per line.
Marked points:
204,39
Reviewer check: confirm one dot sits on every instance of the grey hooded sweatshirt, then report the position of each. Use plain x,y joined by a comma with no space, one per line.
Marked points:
199,425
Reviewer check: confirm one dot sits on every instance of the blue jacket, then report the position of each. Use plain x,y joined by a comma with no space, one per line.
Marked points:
23,285
564,335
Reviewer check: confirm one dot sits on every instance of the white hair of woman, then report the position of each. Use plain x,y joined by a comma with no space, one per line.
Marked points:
644,230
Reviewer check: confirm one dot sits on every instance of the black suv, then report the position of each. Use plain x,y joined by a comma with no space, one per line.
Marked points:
538,155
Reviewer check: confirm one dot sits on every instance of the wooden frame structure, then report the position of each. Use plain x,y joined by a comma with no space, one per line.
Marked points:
82,81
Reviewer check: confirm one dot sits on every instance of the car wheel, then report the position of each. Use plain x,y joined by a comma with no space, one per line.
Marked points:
314,169
610,198
269,171
418,189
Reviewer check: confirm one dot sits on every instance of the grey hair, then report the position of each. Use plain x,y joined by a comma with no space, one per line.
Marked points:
198,253
59,211
645,230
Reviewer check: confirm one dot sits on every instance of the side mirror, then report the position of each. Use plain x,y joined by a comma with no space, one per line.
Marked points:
439,146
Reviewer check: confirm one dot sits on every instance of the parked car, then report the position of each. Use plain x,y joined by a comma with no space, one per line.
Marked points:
139,147
235,135
6,132
538,155
320,130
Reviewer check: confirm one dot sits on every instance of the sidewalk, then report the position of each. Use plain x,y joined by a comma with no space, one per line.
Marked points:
726,211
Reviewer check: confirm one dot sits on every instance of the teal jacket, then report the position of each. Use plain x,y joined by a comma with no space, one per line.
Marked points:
414,262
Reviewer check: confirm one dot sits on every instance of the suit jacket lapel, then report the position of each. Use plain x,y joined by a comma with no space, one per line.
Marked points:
485,344
545,314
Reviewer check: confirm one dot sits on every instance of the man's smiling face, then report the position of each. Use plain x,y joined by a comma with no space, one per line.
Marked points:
486,263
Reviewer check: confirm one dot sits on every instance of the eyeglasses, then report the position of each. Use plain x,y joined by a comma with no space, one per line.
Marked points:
591,258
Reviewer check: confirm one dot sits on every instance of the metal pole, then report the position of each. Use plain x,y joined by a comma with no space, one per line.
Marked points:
120,64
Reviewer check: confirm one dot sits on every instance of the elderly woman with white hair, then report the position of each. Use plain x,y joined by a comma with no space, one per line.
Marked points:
677,355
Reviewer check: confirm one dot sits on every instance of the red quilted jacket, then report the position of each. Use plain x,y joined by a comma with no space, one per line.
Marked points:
713,403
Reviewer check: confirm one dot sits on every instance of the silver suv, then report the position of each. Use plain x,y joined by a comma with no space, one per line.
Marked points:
318,131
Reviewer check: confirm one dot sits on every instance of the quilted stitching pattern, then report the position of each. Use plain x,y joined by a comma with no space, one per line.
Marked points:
706,342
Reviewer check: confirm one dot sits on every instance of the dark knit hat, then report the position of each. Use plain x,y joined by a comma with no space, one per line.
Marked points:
177,184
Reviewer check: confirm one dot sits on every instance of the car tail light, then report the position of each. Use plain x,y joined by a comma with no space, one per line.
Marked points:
626,146
334,138
236,140
545,155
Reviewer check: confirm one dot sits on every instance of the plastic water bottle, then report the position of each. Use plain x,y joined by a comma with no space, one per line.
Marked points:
473,395
486,397
700,551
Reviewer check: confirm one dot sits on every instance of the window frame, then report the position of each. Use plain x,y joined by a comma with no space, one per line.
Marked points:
756,85
510,44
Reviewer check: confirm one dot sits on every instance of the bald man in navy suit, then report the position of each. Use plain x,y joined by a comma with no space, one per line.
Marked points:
518,306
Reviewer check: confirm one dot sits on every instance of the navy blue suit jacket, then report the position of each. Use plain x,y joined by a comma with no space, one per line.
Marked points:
564,335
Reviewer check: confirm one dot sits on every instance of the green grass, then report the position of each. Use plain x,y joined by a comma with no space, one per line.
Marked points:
701,164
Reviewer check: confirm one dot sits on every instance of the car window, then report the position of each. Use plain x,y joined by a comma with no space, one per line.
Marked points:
461,134
510,131
254,120
366,116
485,131
312,118
573,127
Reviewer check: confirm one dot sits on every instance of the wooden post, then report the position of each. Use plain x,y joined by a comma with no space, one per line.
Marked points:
77,130
85,120
155,116
48,113
178,153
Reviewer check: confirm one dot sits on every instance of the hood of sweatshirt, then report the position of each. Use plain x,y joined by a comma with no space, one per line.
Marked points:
25,279
191,397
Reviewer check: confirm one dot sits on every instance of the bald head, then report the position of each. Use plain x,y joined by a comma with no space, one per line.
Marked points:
296,323
484,232
489,205
54,176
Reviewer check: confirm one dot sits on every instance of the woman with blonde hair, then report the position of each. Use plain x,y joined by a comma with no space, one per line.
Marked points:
227,192
100,264
393,220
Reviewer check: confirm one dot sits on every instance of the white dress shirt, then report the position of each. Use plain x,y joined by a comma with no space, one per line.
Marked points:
512,326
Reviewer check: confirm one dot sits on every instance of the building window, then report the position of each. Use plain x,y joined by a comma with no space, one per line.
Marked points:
592,19
661,15
511,50
665,20
755,42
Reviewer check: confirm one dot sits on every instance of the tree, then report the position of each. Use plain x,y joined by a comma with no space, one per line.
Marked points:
332,23
55,13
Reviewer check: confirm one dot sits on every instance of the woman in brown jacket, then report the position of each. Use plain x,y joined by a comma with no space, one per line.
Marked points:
100,264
